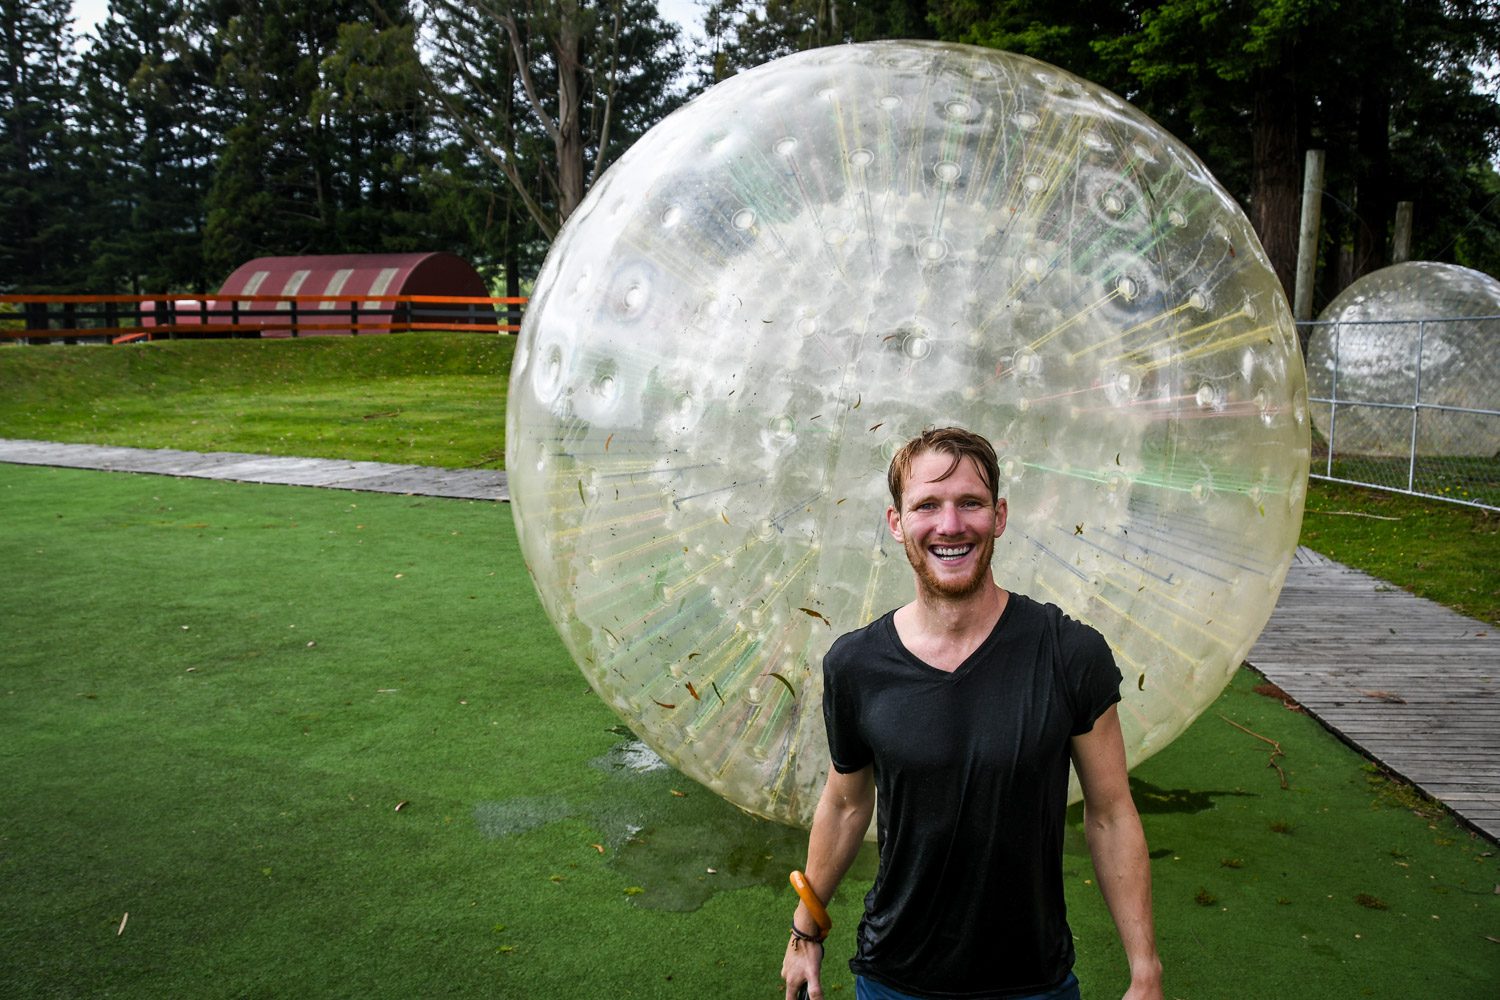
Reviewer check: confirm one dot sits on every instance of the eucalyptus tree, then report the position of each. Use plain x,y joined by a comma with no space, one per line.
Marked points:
550,91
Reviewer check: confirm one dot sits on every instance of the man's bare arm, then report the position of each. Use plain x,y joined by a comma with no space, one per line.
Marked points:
838,830
1118,846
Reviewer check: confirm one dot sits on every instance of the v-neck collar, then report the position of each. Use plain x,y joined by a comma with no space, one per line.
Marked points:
969,661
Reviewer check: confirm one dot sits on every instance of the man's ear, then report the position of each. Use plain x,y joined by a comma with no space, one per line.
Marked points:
893,522
1001,510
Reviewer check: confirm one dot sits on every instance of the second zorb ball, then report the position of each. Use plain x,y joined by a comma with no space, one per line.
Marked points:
811,263
1402,357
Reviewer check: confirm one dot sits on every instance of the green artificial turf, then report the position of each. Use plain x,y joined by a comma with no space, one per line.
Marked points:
214,697
422,398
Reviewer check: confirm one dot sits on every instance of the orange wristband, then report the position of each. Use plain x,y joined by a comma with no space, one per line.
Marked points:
812,902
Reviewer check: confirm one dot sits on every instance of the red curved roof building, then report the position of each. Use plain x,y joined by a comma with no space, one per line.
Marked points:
366,284
370,274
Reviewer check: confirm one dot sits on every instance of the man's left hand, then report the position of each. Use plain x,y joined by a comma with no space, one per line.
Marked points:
1146,986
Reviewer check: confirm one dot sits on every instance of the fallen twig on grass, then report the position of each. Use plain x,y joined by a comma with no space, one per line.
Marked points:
1276,750
1355,513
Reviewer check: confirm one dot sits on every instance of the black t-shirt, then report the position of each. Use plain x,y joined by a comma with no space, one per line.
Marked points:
971,776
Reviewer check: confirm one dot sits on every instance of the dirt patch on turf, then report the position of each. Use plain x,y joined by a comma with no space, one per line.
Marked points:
1270,690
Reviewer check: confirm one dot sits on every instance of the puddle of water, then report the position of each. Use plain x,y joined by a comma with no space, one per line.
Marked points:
679,849
520,815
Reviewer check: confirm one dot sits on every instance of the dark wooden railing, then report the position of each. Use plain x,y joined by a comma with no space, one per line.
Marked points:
122,319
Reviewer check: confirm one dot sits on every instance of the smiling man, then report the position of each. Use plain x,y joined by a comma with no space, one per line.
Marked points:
959,713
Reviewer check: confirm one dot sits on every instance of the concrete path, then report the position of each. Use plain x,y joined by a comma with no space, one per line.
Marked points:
374,477
1405,681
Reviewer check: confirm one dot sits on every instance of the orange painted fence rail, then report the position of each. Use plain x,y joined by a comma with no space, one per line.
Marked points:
122,319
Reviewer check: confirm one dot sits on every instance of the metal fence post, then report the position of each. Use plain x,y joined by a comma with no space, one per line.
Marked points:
1416,409
1333,402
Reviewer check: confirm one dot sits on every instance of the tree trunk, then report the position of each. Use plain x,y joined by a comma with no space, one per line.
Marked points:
572,172
1335,232
1275,175
511,256
1373,202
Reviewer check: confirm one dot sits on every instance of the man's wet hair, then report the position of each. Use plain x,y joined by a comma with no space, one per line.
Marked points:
955,442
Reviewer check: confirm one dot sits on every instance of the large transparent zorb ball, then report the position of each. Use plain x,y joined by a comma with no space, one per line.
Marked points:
1414,333
811,263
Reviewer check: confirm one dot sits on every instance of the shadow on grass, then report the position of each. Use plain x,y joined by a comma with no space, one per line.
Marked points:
1151,799
1154,800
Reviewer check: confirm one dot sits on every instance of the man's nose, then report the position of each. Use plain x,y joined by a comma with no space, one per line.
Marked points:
950,523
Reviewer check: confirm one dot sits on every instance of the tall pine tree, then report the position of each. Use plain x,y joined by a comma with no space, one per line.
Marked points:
320,154
379,137
150,131
40,204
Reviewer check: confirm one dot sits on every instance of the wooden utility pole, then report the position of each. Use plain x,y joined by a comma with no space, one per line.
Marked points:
1307,239
1401,243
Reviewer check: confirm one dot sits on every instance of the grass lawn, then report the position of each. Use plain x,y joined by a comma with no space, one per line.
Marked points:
419,399
1441,551
217,695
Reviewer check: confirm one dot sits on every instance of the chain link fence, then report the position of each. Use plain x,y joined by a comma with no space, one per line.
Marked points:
1411,406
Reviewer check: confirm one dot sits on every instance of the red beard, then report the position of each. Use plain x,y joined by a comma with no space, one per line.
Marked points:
951,588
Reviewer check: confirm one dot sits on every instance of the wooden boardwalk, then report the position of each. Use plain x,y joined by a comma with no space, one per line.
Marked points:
1407,682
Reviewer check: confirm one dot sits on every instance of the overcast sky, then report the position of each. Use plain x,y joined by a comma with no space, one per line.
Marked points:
87,13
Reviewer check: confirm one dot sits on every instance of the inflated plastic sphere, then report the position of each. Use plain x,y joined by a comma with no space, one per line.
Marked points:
1419,318
811,263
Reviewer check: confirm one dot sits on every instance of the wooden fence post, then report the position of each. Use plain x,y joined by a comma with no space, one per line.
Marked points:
1401,243
1307,240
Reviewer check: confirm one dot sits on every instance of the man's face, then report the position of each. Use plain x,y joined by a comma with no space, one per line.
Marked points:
947,526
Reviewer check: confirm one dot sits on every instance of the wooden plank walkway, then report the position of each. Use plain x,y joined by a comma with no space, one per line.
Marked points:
1405,681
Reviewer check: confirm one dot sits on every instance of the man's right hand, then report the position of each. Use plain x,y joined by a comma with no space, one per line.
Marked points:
845,807
802,967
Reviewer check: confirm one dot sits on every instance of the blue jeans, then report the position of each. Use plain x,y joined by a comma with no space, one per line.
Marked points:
868,989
